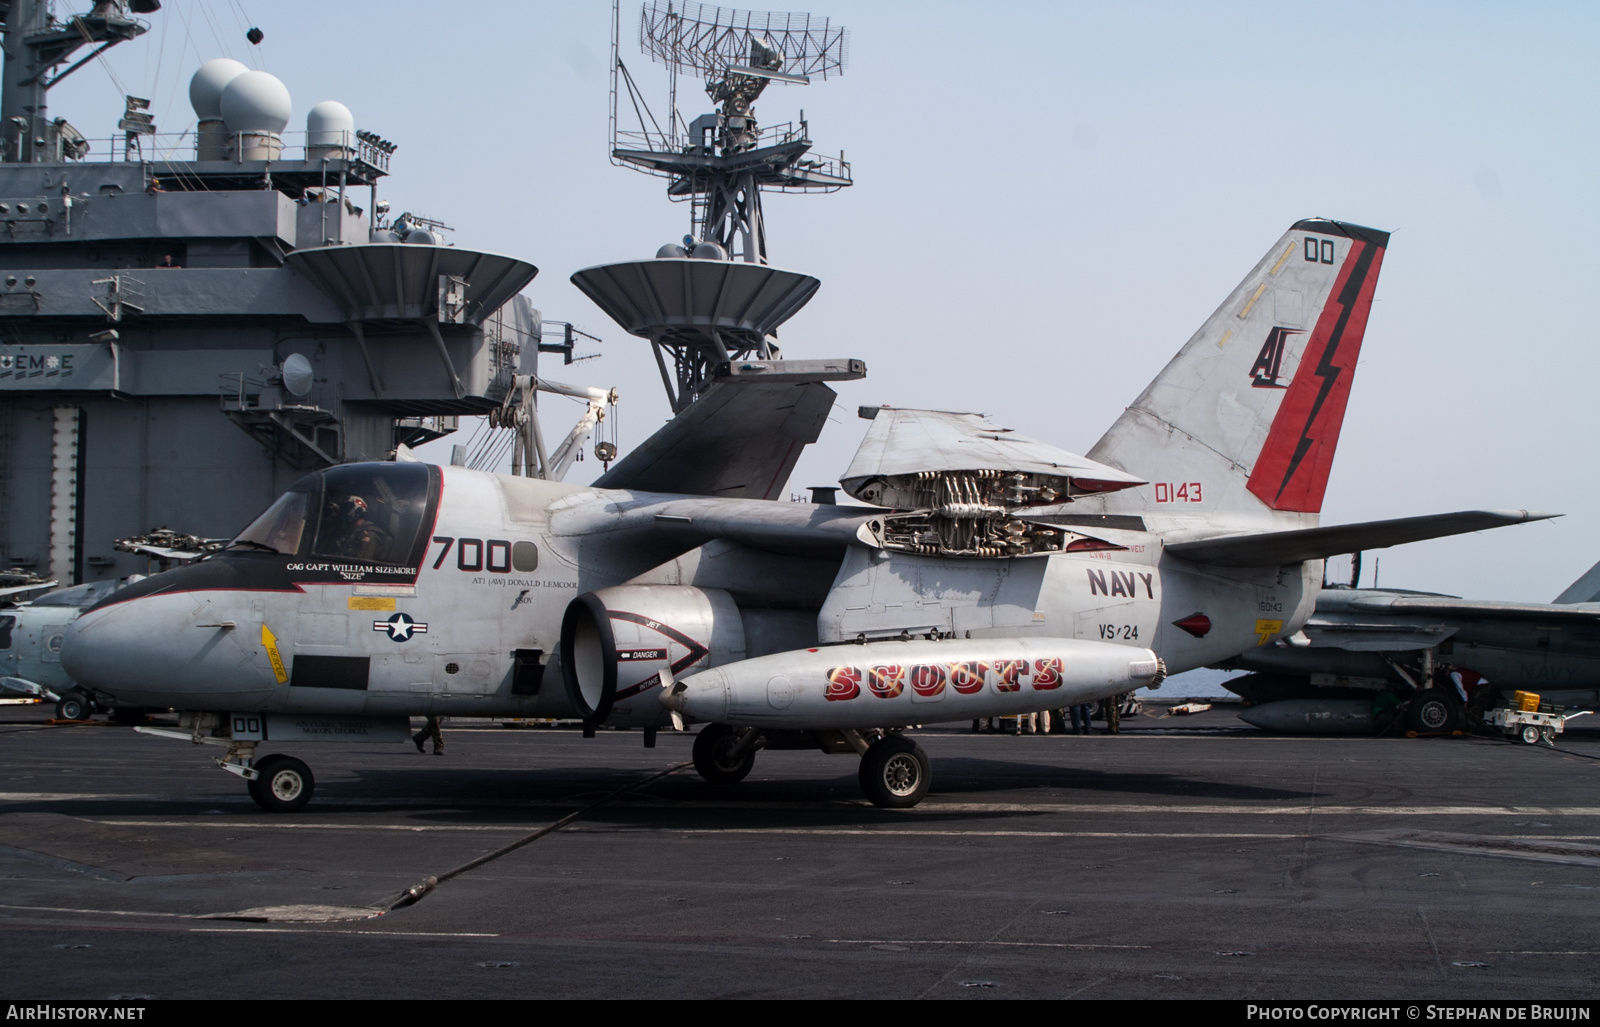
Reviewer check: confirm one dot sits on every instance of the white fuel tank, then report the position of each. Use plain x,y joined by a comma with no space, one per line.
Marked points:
889,684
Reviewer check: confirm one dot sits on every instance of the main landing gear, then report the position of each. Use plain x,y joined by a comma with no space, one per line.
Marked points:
895,773
75,705
724,755
1432,712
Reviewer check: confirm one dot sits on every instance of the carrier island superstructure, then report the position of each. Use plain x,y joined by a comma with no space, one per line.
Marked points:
188,324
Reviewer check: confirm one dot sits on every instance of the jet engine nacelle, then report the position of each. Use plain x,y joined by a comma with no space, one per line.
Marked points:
892,684
616,641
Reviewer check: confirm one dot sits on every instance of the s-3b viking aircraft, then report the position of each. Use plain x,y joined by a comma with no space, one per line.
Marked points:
989,574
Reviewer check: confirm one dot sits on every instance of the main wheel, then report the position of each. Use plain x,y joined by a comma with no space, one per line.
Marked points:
1431,712
73,706
895,773
283,785
1530,734
714,756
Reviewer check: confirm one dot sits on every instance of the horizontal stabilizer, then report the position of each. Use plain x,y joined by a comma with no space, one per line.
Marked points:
1276,548
739,440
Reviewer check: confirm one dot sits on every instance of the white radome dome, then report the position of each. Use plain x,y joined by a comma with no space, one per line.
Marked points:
256,102
205,88
330,123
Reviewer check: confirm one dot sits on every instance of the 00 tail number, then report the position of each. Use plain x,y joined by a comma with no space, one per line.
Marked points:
1178,492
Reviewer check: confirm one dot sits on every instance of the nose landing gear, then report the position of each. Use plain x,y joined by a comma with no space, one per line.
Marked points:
282,784
277,783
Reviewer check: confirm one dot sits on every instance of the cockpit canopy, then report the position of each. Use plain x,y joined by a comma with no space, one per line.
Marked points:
369,513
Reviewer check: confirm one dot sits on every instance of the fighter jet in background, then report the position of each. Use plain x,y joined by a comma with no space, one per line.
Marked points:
991,574
1434,650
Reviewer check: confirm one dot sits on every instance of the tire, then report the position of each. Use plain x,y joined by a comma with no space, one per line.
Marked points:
895,773
714,759
1530,734
1431,712
73,706
283,785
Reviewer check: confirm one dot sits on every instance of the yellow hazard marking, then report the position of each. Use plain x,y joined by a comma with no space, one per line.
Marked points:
1225,337
270,641
1246,311
371,602
1265,629
1279,265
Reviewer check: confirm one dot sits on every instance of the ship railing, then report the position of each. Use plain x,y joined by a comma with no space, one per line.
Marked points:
779,134
241,148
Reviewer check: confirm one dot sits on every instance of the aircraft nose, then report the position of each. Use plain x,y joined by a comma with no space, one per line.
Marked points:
168,651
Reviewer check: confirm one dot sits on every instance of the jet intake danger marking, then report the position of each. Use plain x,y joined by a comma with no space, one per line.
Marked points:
928,680
400,627
638,655
1121,583
696,651
371,603
269,641
1265,629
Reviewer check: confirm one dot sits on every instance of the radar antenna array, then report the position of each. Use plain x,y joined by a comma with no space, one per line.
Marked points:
720,162
706,41
711,307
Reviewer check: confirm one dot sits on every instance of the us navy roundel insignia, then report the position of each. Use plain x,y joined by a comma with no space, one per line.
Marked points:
400,627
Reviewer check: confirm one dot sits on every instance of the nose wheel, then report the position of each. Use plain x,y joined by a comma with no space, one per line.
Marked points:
282,784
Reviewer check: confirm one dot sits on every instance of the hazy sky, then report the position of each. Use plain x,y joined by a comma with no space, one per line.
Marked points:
1050,199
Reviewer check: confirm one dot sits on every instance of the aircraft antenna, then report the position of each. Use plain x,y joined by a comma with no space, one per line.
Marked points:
720,162
711,306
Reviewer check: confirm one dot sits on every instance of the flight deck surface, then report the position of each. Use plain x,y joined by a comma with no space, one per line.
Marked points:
1188,857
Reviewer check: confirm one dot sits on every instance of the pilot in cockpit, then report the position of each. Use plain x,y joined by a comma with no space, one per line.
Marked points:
360,536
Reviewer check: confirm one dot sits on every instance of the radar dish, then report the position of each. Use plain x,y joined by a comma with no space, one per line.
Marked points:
706,41
297,374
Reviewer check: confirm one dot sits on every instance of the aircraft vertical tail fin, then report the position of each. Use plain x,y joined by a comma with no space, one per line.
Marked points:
1585,590
1246,418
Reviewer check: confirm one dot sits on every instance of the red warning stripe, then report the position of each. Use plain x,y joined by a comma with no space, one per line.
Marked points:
1292,470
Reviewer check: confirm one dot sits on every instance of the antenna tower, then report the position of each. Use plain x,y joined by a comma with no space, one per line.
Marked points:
721,161
711,307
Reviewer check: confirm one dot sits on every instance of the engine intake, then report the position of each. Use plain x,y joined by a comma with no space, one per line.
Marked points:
616,641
